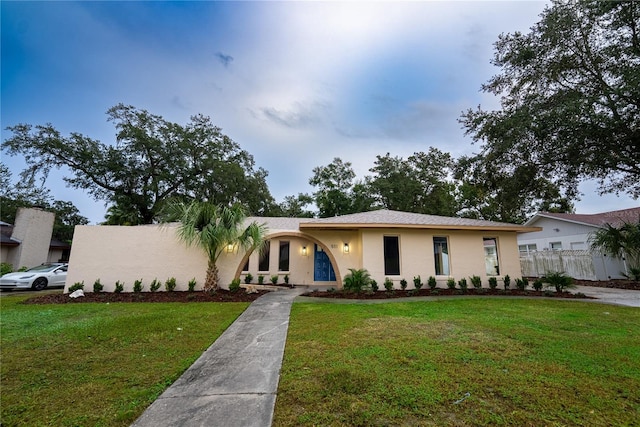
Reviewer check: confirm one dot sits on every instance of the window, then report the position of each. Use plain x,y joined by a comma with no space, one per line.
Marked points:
528,248
263,265
391,256
555,246
578,246
441,256
491,256
283,259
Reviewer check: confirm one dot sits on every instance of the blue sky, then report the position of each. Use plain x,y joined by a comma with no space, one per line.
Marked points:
294,83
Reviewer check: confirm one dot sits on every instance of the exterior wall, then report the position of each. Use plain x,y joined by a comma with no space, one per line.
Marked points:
4,253
571,235
33,228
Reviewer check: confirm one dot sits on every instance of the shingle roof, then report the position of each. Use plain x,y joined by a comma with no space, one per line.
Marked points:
394,219
614,218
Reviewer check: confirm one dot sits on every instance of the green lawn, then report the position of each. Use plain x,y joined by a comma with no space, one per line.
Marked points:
98,364
522,363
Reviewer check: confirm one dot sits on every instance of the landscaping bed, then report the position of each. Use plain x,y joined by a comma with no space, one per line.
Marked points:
220,295
442,292
633,285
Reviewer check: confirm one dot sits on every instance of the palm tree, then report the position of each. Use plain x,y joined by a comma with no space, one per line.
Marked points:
619,241
214,228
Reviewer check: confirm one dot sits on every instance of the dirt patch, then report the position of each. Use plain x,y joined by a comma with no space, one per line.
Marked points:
220,295
442,292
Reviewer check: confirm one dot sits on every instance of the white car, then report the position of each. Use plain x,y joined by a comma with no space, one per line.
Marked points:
36,278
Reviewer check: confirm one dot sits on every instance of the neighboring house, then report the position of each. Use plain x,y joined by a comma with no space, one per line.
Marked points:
28,242
388,244
563,245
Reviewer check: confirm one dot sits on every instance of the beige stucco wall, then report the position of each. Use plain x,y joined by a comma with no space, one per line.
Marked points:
33,228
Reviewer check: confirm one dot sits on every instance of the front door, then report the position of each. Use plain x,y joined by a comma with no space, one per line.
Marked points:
323,270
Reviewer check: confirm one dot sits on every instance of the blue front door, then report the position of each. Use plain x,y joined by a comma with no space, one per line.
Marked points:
323,270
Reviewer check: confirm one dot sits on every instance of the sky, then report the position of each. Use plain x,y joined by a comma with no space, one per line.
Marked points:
296,84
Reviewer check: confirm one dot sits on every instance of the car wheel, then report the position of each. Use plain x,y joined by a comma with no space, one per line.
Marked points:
39,284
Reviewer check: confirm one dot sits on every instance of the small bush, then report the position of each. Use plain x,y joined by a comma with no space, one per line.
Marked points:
5,268
274,279
192,284
462,283
155,285
403,284
522,284
235,285
97,286
538,284
248,278
558,280
286,279
138,286
357,280
119,287
507,281
476,281
417,282
374,286
76,286
432,282
451,283
260,279
493,282
388,284
170,284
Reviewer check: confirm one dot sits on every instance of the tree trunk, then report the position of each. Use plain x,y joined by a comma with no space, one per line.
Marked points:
211,281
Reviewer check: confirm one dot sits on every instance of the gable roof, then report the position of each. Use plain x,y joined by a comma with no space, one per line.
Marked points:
614,218
394,219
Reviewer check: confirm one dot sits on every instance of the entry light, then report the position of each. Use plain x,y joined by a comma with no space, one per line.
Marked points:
345,248
304,251
230,247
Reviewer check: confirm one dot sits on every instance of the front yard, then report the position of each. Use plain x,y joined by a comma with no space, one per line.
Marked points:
461,362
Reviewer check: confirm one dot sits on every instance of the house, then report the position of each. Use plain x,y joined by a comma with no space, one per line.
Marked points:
562,244
28,242
389,244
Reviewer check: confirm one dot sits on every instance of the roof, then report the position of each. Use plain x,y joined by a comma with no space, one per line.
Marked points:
613,218
394,219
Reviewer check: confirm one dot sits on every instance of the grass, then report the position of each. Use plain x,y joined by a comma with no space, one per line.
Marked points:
98,364
461,362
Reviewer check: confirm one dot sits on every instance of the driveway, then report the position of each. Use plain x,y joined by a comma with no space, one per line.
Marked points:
611,295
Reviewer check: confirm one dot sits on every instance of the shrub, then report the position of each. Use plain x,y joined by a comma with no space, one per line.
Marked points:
5,268
138,286
374,286
357,280
403,284
388,284
451,283
493,282
417,282
559,280
155,285
260,279
432,282
274,279
235,285
119,287
476,281
248,278
463,284
286,279
97,286
192,284
76,286
507,281
522,284
538,284
634,274
170,284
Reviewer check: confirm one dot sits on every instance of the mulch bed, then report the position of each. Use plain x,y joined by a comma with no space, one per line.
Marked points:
442,292
220,295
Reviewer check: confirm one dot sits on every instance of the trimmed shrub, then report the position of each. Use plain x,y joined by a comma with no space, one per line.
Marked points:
192,284
417,282
403,284
5,268
538,284
119,287
260,279
155,285
97,286
493,282
286,279
451,283
476,281
76,286
235,285
462,283
388,284
138,286
522,284
274,279
374,286
432,282
507,281
248,278
170,284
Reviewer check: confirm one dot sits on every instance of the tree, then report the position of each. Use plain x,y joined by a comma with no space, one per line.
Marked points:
620,241
151,162
570,97
419,184
294,206
213,228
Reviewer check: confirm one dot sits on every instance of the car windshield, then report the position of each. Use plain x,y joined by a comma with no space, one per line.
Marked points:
44,267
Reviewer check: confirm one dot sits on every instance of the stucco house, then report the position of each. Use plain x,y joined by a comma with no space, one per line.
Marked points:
562,244
28,242
310,251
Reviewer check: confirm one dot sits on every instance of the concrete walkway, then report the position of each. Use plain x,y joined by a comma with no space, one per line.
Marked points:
234,382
